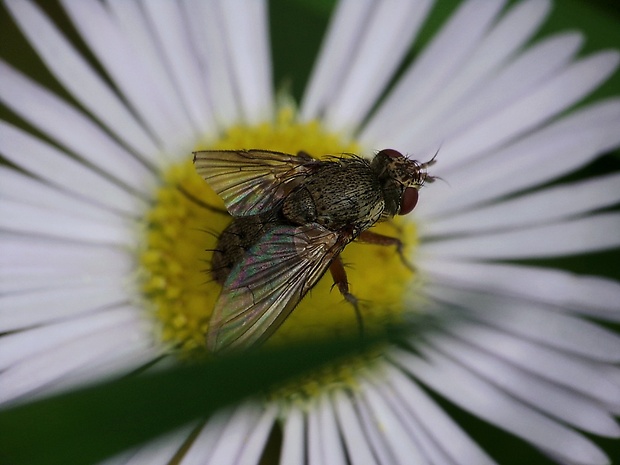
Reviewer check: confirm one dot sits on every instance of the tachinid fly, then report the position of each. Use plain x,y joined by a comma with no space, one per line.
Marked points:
292,216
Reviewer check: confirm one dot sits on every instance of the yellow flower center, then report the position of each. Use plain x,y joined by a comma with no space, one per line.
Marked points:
180,235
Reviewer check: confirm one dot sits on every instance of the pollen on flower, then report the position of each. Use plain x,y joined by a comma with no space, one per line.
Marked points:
180,235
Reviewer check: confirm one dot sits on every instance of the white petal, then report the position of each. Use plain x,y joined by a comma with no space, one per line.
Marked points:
211,433
531,110
72,129
545,206
432,451
315,448
179,59
217,75
590,234
63,171
33,308
413,128
345,30
79,78
349,425
589,295
18,187
394,432
41,369
145,91
27,255
443,430
293,442
27,219
329,434
435,66
386,39
247,37
584,376
253,448
16,346
559,148
235,434
535,322
563,404
162,450
484,400
373,431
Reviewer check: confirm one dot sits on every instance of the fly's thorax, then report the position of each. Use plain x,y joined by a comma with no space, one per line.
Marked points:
340,194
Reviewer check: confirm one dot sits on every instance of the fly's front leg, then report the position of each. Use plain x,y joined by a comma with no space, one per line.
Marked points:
370,237
340,279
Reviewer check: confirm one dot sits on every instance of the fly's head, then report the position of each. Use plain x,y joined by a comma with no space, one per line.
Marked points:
401,179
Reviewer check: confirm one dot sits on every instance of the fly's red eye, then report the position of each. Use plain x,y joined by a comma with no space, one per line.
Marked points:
408,201
391,153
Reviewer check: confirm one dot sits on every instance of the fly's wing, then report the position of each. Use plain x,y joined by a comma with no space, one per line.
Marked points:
263,289
252,181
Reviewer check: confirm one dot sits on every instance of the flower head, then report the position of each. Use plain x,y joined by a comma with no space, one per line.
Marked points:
107,232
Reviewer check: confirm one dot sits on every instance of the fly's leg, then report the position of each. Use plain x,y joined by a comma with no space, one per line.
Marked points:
340,279
370,237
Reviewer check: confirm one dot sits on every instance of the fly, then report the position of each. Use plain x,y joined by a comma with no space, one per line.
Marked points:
292,217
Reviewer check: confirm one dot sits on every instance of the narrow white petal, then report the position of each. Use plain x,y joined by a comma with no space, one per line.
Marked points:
329,433
373,430
559,148
255,444
486,401
207,34
315,448
41,369
431,450
72,129
435,66
535,322
34,308
175,46
18,187
582,235
146,92
80,79
24,255
444,431
349,425
345,30
161,450
202,446
16,346
63,171
247,37
531,110
545,206
589,295
396,435
26,219
563,404
234,436
387,37
584,376
293,440
414,128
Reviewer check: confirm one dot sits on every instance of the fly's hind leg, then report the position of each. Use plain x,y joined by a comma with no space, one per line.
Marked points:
340,280
370,237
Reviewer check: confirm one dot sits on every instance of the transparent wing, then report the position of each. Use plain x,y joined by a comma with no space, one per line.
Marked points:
252,181
265,287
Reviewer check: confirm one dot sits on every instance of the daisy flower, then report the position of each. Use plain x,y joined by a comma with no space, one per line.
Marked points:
103,257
